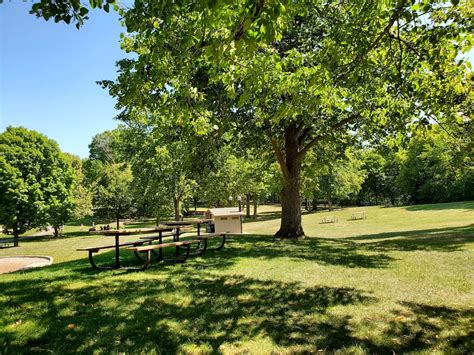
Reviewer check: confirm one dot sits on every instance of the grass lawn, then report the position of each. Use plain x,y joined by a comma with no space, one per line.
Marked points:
400,280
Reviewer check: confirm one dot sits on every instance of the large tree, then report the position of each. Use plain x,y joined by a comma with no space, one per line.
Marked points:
36,182
374,67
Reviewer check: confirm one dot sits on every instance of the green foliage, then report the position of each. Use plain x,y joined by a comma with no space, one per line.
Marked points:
105,147
235,173
69,11
113,197
82,194
36,181
435,168
332,177
165,164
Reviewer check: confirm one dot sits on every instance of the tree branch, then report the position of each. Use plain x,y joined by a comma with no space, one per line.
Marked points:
334,127
407,44
280,157
240,29
386,29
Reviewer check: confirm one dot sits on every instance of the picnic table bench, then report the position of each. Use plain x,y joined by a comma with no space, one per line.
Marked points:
93,250
358,215
201,242
148,249
329,219
121,232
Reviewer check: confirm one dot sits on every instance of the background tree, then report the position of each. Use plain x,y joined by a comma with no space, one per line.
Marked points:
82,194
166,162
434,168
35,182
375,183
105,147
336,177
113,196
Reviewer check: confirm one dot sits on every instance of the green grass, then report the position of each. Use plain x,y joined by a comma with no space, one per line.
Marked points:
400,280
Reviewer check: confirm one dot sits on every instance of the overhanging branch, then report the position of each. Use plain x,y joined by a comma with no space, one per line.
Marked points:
334,127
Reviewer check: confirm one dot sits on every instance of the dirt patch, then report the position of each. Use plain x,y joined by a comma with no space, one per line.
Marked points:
15,263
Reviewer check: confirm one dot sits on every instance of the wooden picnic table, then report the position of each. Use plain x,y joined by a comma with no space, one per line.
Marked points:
190,222
119,232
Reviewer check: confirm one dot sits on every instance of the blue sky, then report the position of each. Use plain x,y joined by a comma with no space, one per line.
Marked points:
48,74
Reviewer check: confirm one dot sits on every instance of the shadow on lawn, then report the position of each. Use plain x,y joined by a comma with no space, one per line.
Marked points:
417,326
182,306
442,206
49,238
263,216
441,239
322,251
73,309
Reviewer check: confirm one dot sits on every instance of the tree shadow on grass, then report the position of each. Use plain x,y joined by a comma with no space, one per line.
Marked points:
69,308
191,307
440,239
263,216
442,206
322,251
167,311
419,326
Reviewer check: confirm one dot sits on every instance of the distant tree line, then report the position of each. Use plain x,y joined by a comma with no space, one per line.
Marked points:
135,172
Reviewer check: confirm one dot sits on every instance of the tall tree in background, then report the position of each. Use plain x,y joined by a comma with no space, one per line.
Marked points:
113,197
82,194
36,182
435,168
371,67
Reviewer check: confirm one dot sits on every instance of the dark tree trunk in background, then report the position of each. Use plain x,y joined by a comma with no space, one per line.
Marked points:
176,208
15,236
290,164
247,206
56,231
117,218
255,208
315,204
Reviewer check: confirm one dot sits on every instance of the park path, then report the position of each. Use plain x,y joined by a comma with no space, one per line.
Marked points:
15,263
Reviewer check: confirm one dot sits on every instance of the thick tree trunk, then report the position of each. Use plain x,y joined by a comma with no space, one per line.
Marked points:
117,218
290,195
177,211
255,208
247,205
56,231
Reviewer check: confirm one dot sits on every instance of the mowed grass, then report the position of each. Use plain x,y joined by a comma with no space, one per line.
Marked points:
400,280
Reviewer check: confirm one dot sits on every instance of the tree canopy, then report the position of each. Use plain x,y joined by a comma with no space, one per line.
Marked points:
321,69
36,182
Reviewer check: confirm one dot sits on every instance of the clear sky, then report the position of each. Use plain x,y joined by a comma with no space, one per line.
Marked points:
48,74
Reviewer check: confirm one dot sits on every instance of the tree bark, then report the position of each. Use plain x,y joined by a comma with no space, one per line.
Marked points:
176,208
290,163
56,231
255,208
247,205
